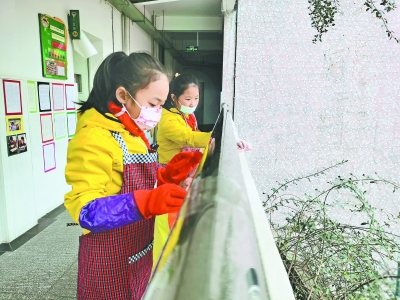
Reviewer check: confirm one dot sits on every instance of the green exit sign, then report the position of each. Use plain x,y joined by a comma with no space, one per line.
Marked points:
192,48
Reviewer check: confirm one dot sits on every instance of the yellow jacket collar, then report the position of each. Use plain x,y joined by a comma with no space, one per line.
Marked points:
176,111
92,117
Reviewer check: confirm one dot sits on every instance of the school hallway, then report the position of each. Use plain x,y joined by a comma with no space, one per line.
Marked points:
308,100
45,266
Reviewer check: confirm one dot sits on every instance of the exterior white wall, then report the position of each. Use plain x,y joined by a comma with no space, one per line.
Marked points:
26,192
305,106
229,59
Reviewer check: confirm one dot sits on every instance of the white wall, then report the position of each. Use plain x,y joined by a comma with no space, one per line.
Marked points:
139,41
229,58
3,207
95,60
26,192
305,106
171,63
80,67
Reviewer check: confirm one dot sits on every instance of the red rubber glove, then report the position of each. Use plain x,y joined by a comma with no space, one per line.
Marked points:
179,167
167,198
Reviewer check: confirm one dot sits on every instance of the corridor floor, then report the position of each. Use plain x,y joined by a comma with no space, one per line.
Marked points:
45,267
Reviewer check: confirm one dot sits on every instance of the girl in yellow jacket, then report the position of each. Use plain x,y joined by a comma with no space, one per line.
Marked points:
178,129
177,132
114,172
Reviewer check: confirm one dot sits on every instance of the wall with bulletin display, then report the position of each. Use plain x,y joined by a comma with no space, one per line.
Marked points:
37,112
39,117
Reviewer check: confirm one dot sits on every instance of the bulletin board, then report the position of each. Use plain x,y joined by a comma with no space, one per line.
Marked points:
53,42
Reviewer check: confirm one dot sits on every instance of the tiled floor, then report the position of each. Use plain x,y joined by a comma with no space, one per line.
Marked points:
45,266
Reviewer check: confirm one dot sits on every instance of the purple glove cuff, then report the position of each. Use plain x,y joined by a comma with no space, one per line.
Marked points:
109,212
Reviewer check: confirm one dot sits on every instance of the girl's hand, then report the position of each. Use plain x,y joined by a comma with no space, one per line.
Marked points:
186,183
211,147
243,146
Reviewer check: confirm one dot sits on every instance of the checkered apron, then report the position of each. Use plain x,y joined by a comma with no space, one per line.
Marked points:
116,264
190,149
172,216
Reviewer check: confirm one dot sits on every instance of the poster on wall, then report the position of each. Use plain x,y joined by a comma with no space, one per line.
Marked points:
59,125
32,96
14,124
71,96
44,96
22,143
58,96
49,157
46,124
12,146
71,123
53,42
12,97
17,144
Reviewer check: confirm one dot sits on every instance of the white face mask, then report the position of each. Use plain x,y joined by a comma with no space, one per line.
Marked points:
187,110
148,117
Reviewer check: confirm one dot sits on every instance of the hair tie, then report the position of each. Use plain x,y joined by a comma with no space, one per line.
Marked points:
177,74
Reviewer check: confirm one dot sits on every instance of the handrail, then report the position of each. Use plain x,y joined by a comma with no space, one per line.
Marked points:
221,246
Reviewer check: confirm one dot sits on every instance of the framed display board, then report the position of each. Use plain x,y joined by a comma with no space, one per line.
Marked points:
53,42
12,97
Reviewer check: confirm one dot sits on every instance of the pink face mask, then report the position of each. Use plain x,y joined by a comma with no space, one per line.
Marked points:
148,117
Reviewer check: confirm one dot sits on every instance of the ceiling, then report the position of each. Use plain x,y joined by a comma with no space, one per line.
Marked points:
196,8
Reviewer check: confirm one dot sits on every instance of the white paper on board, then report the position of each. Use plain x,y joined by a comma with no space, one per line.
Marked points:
12,95
59,121
47,127
60,71
32,97
44,96
49,156
71,94
71,120
58,96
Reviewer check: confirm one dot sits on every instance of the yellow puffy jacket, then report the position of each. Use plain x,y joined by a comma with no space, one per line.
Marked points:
95,161
173,134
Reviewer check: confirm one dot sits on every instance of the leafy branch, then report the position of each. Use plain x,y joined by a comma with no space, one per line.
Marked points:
323,12
386,6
